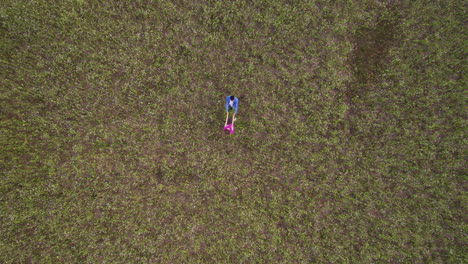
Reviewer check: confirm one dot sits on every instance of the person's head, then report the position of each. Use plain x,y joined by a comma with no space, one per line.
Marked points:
232,97
227,131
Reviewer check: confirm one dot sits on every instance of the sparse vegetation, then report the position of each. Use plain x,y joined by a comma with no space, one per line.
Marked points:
349,145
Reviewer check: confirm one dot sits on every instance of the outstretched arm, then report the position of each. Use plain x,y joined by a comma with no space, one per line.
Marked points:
233,120
227,117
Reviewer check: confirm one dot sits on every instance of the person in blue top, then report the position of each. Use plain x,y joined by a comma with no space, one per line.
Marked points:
232,103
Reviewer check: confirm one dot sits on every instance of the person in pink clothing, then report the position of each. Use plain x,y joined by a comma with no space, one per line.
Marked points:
229,127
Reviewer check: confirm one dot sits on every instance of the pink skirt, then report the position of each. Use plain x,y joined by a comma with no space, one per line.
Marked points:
229,128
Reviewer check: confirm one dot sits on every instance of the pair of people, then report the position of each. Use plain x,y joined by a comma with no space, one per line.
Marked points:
232,103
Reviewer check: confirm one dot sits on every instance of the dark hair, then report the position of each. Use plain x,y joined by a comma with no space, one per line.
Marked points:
226,131
232,97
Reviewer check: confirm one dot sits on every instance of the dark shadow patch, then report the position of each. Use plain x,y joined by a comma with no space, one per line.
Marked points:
369,57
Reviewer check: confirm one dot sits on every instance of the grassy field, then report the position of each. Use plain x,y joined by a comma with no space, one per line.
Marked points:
350,142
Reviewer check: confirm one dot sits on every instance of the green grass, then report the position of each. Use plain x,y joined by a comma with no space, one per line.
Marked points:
349,145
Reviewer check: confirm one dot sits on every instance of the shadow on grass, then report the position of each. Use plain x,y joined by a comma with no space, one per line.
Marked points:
369,56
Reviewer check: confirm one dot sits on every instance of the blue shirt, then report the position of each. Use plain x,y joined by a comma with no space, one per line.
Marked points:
234,105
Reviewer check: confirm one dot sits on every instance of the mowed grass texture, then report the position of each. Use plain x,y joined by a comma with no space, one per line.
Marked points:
349,145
